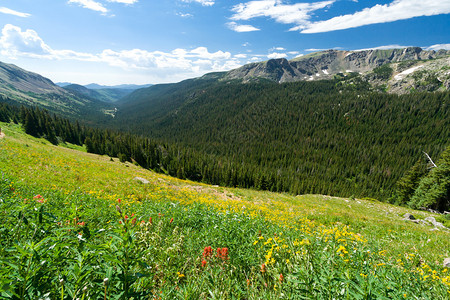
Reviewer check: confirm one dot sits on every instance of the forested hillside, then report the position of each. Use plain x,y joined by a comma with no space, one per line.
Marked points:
306,137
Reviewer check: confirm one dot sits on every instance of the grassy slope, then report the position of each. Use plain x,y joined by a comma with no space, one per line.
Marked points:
41,167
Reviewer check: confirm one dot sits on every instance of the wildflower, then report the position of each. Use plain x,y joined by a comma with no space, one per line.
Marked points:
207,252
119,200
222,253
180,275
248,282
203,263
281,278
171,220
134,221
150,220
263,268
38,197
105,281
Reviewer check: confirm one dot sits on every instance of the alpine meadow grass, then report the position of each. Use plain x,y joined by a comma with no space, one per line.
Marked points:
81,226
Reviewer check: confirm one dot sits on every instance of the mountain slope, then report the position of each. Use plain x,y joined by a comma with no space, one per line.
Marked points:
324,65
328,137
23,87
107,95
96,212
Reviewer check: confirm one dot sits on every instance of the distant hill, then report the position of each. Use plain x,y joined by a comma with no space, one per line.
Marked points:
108,95
94,86
18,86
63,84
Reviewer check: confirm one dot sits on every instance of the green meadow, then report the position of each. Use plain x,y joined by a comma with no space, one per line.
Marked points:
81,226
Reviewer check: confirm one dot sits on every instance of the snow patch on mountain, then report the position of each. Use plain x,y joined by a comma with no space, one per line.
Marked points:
402,75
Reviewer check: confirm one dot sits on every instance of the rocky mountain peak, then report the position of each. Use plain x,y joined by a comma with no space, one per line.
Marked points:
326,64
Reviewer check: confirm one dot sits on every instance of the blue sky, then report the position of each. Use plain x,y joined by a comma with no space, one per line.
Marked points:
155,41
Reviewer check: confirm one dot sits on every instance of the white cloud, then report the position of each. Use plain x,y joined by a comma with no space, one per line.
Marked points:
241,56
13,12
397,10
277,55
14,41
298,14
176,64
91,4
202,2
124,1
439,47
187,15
385,47
241,28
324,49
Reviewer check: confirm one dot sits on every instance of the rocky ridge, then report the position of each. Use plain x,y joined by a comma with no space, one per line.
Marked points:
327,64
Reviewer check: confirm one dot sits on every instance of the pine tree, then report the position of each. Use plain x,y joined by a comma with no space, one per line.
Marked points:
434,189
407,185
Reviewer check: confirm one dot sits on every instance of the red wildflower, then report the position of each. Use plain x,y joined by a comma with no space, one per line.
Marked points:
119,200
171,220
222,253
134,221
203,263
150,220
207,252
281,278
38,197
126,217
263,268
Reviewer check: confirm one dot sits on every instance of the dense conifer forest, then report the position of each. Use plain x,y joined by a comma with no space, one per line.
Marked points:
306,137
327,137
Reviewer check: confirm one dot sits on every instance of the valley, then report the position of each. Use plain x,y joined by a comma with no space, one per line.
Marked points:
326,176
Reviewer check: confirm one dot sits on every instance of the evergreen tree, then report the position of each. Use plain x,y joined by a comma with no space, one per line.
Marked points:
30,124
407,185
434,189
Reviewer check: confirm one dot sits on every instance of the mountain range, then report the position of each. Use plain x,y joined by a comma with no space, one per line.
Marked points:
325,64
393,71
19,86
